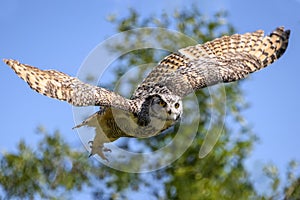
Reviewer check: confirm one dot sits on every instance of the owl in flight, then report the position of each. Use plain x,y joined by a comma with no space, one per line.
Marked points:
156,104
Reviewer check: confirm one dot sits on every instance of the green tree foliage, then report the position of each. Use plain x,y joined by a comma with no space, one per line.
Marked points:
292,191
54,168
220,175
46,172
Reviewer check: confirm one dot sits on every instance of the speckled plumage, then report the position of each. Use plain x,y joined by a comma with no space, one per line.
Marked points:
156,104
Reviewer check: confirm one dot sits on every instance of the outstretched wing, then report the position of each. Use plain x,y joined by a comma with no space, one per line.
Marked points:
61,86
226,59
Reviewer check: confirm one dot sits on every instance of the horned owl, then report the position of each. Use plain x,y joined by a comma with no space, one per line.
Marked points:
156,104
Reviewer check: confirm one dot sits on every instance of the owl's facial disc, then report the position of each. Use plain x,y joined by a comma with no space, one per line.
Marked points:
166,107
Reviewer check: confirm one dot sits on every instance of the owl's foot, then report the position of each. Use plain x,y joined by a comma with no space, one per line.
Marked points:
99,150
105,149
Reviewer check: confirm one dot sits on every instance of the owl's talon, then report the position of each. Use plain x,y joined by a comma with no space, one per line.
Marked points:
91,144
105,149
99,151
101,154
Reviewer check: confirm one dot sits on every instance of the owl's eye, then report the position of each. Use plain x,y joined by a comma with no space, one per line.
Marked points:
162,103
176,105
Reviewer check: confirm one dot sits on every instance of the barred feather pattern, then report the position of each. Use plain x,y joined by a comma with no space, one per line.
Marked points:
225,59
63,87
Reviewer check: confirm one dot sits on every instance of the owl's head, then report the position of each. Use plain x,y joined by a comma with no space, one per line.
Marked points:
163,106
166,107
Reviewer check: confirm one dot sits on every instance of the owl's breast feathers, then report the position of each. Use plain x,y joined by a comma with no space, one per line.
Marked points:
110,124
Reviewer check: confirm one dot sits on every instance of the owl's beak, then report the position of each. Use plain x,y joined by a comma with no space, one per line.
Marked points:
174,117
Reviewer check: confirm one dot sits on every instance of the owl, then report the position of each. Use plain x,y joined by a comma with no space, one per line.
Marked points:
156,104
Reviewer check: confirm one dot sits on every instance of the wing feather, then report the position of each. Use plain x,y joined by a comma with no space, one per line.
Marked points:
61,86
225,59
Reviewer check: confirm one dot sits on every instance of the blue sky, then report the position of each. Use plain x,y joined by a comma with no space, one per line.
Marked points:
60,34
